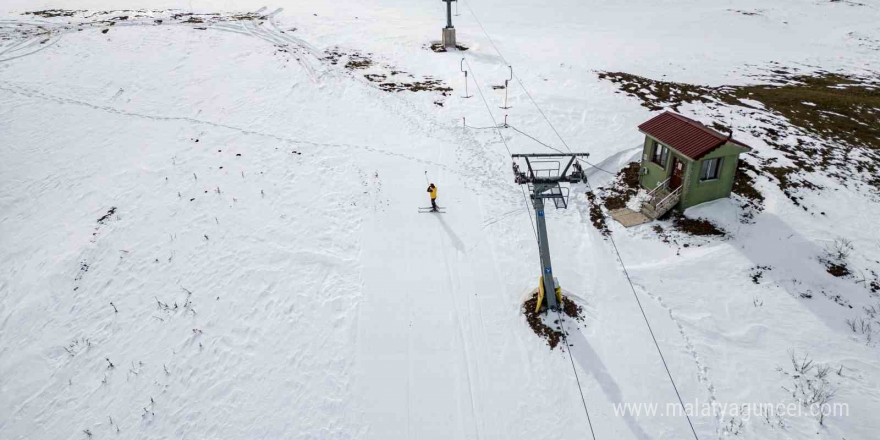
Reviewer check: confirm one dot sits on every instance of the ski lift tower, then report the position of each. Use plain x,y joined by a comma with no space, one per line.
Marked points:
449,30
543,177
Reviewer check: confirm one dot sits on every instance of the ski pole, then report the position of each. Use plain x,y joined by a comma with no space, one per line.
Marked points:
426,177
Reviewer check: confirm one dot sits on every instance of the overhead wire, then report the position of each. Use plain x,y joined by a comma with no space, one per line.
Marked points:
558,151
503,140
480,128
614,244
534,229
535,139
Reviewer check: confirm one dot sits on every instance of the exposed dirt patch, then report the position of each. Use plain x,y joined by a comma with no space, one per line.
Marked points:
439,48
756,273
664,237
247,17
596,215
695,226
375,77
624,187
200,18
572,309
682,232
388,77
838,270
536,320
333,55
51,13
106,216
752,13
428,85
750,198
357,61
836,258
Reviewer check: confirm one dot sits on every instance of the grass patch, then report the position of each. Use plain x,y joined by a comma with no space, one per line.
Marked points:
819,122
834,106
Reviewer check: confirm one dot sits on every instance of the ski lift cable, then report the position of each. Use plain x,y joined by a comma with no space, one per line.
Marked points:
558,151
628,279
492,42
650,330
613,243
576,377
519,80
535,103
534,139
537,241
504,141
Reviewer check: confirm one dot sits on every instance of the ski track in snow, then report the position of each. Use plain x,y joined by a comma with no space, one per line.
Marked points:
417,117
30,93
339,269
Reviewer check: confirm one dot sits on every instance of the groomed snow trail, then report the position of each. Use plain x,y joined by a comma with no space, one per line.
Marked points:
209,230
271,276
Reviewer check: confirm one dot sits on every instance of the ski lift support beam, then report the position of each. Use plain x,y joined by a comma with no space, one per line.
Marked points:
547,187
449,30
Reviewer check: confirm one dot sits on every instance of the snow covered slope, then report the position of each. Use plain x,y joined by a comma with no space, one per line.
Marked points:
209,228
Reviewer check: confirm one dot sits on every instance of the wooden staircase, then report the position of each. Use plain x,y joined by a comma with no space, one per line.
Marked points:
662,200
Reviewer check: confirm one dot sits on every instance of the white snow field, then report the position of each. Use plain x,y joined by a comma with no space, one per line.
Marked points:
263,272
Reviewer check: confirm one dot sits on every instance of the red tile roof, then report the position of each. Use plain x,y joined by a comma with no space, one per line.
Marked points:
686,135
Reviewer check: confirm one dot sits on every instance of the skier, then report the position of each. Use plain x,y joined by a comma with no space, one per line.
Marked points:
433,190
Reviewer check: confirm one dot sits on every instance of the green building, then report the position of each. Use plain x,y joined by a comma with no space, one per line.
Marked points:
685,163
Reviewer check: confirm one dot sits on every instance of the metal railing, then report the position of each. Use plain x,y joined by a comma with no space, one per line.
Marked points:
667,202
659,186
658,206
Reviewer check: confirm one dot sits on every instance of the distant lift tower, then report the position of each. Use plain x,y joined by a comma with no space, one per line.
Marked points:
449,31
543,177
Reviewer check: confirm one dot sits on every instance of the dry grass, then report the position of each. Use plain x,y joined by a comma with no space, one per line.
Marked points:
821,122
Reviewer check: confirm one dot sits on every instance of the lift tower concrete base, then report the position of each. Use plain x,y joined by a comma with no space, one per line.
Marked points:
449,30
543,177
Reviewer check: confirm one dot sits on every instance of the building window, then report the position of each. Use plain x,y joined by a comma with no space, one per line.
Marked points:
660,154
709,169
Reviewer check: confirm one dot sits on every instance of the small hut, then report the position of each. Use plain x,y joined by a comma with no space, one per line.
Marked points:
685,163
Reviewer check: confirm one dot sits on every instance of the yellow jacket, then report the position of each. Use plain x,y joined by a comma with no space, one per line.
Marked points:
433,191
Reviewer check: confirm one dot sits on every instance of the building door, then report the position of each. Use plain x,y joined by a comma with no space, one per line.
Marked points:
677,172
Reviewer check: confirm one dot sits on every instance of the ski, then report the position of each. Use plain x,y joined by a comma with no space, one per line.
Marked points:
440,210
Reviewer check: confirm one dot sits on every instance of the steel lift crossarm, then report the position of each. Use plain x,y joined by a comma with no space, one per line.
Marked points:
547,187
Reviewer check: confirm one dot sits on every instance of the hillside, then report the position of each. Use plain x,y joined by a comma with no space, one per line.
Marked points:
209,223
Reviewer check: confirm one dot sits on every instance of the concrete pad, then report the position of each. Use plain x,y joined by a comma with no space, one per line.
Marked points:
627,217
